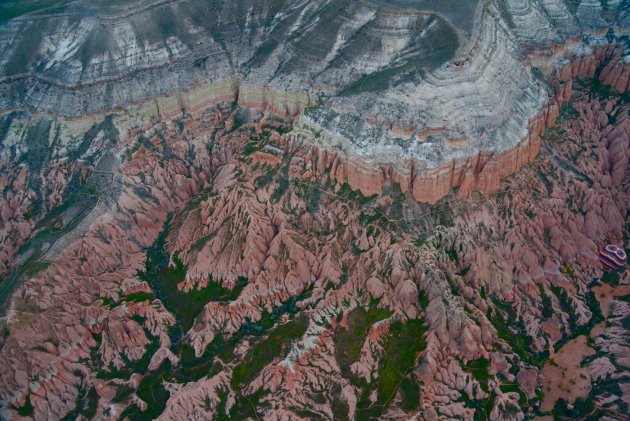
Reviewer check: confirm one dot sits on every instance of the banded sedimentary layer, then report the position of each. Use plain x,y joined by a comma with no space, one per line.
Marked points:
447,82
472,171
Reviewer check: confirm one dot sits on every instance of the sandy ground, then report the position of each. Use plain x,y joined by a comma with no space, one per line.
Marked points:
605,294
562,375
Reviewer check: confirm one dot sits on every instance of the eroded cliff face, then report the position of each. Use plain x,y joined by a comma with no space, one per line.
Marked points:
473,171
393,81
229,271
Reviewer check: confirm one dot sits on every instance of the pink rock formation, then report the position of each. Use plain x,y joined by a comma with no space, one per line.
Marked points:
280,217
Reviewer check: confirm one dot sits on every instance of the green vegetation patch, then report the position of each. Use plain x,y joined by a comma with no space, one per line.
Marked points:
192,368
568,111
264,352
86,405
611,277
567,305
410,389
545,179
123,393
423,299
137,366
137,297
583,408
281,188
338,404
479,370
482,407
510,328
348,342
164,279
547,310
602,90
25,410
153,393
346,192
513,387
266,178
442,49
400,349
311,193
245,407
398,204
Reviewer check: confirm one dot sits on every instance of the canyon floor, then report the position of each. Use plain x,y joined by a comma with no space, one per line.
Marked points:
212,266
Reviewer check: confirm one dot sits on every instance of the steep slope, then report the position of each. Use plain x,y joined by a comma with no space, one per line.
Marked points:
372,64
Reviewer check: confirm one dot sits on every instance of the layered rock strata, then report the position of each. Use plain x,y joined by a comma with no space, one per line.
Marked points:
483,170
447,83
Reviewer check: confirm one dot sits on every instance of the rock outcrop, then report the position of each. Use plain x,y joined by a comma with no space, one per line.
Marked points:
431,91
483,170
286,245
